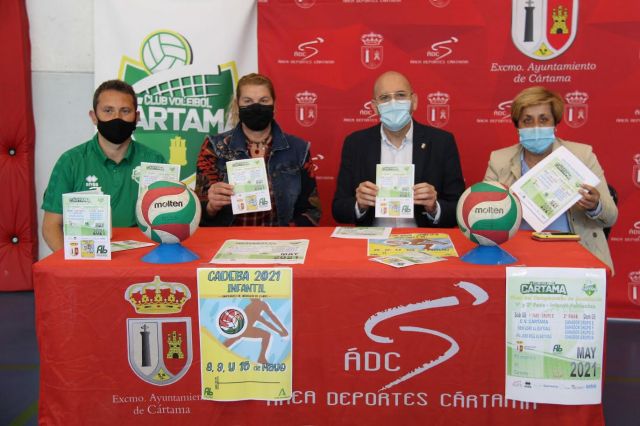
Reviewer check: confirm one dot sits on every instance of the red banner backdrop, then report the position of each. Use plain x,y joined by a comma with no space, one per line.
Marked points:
467,59
18,227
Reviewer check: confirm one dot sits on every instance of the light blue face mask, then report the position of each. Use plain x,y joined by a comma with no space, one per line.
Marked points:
537,139
394,115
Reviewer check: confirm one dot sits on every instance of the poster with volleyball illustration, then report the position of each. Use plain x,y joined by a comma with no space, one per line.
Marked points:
183,69
245,318
434,244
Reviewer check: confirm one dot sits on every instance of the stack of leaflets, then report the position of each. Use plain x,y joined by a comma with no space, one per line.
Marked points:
86,225
149,173
128,245
402,250
407,259
436,244
262,252
361,232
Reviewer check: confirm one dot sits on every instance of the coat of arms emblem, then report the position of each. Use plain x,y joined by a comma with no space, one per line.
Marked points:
371,52
634,287
306,108
636,170
438,109
160,349
544,29
576,109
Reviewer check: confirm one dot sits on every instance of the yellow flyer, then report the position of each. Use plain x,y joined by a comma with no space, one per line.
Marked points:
435,244
246,323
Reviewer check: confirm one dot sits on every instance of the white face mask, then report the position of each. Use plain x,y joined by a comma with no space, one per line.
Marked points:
394,115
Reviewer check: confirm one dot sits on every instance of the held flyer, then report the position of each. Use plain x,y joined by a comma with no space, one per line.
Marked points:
250,185
153,172
551,187
554,335
395,190
246,333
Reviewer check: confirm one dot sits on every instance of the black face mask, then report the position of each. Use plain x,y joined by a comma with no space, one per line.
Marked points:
117,130
256,116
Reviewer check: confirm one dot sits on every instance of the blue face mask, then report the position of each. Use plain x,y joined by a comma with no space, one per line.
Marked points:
537,139
394,115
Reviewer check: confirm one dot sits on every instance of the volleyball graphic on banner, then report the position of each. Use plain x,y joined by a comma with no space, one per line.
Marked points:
162,50
488,214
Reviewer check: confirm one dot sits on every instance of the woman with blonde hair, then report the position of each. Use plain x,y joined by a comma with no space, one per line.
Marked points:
536,111
290,171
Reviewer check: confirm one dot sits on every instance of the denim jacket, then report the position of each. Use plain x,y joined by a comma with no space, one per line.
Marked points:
289,167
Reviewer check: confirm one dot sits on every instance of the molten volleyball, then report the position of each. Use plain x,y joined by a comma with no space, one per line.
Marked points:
488,214
168,212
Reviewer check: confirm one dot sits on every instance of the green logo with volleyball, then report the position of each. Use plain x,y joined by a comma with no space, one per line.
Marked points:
180,102
162,50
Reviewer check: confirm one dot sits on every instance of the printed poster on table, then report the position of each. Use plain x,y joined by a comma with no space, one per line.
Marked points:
262,252
408,258
554,334
361,232
435,244
551,187
246,333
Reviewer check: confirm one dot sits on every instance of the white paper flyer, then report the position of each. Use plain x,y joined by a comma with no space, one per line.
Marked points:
153,172
250,186
551,187
554,335
395,190
86,225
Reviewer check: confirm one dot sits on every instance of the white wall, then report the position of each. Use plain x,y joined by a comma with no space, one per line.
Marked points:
62,77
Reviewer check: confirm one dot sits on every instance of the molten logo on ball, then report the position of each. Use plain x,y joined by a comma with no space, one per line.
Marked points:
488,214
168,212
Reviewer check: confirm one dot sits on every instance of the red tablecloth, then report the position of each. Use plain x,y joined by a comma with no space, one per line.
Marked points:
338,371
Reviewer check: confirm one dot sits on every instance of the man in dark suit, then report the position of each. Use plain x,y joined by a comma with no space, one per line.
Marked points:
399,140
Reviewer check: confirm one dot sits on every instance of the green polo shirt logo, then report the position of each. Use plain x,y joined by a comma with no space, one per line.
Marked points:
92,182
86,167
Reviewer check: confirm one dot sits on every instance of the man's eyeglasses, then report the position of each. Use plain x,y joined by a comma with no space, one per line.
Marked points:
398,96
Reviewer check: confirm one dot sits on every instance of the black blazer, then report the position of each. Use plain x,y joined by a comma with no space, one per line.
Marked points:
436,160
